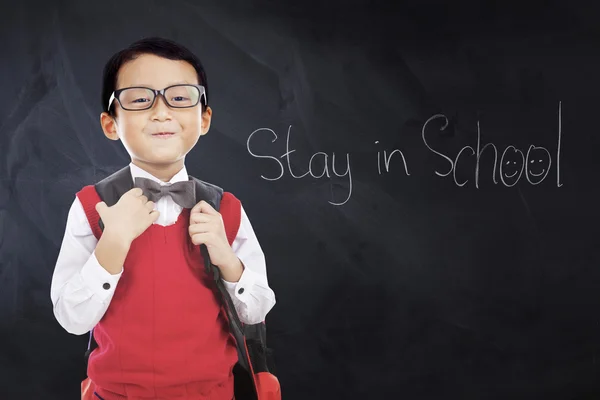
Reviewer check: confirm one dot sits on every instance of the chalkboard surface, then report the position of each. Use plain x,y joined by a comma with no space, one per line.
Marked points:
422,177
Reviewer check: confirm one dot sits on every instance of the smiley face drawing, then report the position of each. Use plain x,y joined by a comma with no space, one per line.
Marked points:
538,163
512,165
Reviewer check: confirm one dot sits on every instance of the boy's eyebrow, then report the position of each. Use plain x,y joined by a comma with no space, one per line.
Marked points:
150,86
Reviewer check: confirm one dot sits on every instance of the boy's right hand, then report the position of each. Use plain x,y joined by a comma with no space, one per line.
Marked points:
130,216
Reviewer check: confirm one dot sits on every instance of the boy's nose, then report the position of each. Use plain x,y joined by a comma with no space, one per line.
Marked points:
160,109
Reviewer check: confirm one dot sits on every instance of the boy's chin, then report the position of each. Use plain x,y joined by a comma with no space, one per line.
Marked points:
158,160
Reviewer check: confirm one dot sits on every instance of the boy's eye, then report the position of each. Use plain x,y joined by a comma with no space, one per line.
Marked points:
179,98
136,96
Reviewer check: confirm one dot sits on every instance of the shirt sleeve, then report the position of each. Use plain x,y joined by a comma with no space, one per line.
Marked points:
81,288
251,295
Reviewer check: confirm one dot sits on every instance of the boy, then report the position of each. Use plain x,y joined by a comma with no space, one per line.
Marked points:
142,287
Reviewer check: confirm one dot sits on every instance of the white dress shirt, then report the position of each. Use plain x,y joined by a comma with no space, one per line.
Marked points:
78,292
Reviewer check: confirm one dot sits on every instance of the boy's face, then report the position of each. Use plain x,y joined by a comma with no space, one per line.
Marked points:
137,129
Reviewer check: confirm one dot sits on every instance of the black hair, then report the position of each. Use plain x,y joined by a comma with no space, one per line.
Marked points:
153,45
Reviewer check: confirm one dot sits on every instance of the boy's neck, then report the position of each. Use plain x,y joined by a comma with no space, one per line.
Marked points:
164,172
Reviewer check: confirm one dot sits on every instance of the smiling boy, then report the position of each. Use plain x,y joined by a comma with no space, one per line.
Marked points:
140,284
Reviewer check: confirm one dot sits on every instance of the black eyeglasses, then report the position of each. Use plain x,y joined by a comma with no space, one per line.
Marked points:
143,98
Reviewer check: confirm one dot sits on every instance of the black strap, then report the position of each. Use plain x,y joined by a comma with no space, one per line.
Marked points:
111,188
212,195
210,267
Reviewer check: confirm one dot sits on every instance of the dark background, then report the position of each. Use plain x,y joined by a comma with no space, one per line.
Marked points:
413,289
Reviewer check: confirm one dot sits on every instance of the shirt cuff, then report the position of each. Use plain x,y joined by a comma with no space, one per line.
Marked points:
241,289
99,280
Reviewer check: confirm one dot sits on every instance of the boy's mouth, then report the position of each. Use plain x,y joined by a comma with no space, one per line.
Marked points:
163,134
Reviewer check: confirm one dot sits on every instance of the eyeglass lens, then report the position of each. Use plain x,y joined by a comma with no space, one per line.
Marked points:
175,96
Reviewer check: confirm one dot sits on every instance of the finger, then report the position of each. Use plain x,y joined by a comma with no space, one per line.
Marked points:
201,238
199,218
100,207
199,228
154,215
204,207
149,205
136,191
144,199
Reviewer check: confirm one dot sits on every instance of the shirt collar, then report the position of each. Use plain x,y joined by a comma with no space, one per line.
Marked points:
137,172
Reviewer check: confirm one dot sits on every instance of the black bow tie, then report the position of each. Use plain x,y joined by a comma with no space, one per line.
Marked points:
183,193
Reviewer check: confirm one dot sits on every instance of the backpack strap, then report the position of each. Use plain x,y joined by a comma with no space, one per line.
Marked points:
230,208
208,192
108,190
111,188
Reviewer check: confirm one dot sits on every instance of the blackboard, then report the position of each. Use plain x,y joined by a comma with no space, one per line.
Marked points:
406,259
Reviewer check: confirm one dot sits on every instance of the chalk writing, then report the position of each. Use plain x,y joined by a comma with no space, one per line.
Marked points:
387,160
535,165
311,163
511,165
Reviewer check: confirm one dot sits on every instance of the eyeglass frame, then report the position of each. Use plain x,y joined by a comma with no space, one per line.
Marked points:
117,93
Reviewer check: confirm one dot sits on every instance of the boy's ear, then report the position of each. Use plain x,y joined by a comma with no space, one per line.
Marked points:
206,118
109,126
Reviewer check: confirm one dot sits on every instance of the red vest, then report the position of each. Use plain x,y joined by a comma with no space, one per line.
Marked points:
164,334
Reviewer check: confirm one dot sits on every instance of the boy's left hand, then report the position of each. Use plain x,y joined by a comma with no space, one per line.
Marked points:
206,227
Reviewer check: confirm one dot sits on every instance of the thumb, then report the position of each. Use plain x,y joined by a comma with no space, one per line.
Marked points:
154,215
100,207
